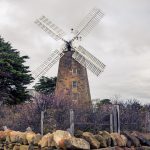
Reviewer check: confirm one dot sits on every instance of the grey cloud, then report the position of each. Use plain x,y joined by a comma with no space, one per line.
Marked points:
121,40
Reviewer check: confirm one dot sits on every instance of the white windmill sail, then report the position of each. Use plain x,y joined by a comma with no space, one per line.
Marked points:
87,63
49,27
81,54
47,64
88,23
52,26
90,57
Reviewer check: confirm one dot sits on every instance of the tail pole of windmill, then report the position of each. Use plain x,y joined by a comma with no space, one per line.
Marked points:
72,80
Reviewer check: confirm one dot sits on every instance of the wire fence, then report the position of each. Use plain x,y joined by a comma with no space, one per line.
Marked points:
131,117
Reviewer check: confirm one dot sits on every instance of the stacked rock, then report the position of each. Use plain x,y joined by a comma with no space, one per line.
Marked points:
16,140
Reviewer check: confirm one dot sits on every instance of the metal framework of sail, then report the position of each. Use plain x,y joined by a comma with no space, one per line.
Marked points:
90,57
88,23
86,63
50,28
80,54
47,64
51,25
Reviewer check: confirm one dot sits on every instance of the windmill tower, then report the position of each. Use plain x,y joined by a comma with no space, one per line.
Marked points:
72,80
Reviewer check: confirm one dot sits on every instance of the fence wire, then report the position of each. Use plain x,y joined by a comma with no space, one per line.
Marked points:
28,115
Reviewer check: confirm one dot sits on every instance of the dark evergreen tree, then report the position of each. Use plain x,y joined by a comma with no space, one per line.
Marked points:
14,75
46,85
103,102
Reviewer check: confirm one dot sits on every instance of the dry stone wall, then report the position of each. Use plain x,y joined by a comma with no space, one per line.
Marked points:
16,140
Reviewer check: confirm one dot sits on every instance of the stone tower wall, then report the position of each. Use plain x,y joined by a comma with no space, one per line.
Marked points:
71,71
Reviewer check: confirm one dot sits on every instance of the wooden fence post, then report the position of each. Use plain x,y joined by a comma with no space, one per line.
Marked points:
147,122
42,122
148,129
111,123
116,118
72,121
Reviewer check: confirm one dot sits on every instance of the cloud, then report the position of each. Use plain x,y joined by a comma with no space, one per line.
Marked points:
121,40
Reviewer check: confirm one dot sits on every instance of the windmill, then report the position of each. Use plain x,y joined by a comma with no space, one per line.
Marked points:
72,80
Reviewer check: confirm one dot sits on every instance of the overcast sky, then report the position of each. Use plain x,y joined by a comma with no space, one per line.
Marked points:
121,40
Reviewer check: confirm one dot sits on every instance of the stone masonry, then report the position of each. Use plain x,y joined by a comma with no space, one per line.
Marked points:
72,81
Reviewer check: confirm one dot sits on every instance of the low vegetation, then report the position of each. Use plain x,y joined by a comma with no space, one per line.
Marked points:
133,115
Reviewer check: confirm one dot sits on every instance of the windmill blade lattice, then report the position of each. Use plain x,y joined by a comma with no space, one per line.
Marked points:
86,63
46,65
51,25
88,23
81,54
90,57
50,28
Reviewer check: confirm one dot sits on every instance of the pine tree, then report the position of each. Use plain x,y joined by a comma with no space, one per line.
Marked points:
14,75
46,85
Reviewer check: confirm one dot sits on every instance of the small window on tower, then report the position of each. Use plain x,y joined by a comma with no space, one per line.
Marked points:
74,71
75,96
74,84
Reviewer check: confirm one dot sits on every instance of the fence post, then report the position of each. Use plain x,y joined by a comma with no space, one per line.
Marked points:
42,121
114,119
72,121
111,123
147,122
118,118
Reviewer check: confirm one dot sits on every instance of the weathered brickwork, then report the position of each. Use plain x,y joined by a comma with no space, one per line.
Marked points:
72,82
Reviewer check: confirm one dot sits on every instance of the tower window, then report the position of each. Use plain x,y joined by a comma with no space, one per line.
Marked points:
74,71
74,84
75,96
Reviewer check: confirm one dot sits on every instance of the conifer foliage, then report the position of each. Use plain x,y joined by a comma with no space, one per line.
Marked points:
46,85
14,75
